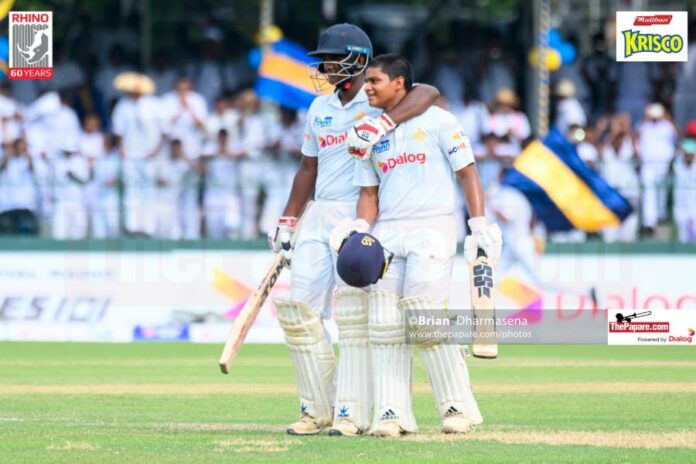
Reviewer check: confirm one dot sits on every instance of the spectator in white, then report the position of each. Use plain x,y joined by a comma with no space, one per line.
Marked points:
104,80
185,111
104,213
210,72
684,102
448,77
569,111
162,73
51,123
472,115
137,120
635,84
618,167
71,175
282,168
172,172
507,122
19,193
221,202
496,71
92,137
255,141
223,117
10,116
579,136
685,186
657,139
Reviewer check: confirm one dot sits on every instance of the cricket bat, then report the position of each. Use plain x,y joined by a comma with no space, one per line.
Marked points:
246,317
484,343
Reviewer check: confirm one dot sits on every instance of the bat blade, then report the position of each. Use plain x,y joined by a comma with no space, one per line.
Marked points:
247,316
484,344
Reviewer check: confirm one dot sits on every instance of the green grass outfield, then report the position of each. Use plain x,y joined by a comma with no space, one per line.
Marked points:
68,402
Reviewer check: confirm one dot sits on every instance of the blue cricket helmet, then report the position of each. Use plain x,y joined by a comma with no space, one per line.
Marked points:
341,39
362,260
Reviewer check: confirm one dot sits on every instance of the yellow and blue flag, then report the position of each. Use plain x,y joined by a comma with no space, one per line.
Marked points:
284,75
564,193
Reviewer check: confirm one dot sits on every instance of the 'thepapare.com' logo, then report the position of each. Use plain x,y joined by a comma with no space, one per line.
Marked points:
406,158
652,36
31,45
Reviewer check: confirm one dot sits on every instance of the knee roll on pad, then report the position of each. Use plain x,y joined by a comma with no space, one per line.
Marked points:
351,313
420,303
312,357
386,322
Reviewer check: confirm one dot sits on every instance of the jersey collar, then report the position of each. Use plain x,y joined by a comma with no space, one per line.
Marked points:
360,97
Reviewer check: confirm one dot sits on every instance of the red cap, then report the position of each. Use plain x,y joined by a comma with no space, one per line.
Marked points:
690,128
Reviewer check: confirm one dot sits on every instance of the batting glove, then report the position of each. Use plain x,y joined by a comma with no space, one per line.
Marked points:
344,229
280,241
485,236
366,134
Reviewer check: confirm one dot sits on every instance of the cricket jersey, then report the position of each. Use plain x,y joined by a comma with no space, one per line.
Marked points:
414,166
326,131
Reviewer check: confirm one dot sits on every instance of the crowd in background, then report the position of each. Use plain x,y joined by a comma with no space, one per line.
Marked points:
201,157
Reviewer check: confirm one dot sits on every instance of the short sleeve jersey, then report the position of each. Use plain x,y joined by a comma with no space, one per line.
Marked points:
414,166
325,134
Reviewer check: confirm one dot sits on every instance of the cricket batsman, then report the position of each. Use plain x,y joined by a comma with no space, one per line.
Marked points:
407,196
326,169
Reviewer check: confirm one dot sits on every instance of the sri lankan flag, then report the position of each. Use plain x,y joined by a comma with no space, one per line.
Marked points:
564,193
283,75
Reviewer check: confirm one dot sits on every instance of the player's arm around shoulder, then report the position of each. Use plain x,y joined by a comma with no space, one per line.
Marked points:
368,131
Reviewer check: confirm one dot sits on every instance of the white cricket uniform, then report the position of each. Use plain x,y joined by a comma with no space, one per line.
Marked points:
685,200
139,124
619,170
70,212
221,198
414,168
656,145
104,212
313,263
280,172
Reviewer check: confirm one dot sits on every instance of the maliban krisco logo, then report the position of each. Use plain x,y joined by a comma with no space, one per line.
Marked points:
651,36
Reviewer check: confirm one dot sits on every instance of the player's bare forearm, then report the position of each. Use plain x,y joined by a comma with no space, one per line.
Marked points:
416,102
473,191
368,204
302,186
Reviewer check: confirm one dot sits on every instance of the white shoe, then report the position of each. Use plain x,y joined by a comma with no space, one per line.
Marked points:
307,425
344,428
456,423
387,429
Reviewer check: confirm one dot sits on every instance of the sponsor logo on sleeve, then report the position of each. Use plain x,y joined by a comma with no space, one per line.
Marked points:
381,147
651,36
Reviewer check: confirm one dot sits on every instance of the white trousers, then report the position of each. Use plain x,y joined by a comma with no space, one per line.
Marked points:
313,276
653,176
424,251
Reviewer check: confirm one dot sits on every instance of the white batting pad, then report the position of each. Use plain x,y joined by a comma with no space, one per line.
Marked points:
446,369
449,378
391,361
354,383
312,357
